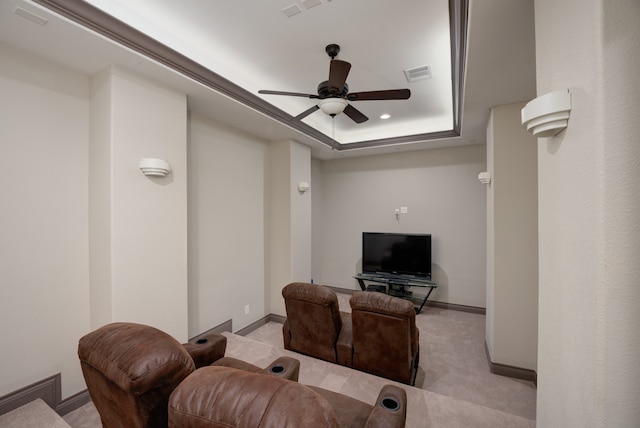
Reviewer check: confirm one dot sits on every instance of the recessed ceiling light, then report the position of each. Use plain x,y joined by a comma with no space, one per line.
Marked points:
385,116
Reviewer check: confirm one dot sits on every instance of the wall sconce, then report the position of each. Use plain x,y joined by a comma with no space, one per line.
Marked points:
303,186
154,167
485,177
548,114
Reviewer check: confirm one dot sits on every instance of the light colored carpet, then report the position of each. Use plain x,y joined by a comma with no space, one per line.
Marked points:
424,408
36,414
452,360
454,387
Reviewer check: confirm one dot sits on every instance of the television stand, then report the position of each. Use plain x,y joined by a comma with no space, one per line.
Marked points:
410,288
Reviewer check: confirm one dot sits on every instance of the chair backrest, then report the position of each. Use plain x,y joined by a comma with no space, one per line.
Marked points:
225,397
130,371
313,320
385,336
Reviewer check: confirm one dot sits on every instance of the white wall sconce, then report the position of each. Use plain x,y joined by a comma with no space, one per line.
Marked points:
303,186
548,114
485,177
154,167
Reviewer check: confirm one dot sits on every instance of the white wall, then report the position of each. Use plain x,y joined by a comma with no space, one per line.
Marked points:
512,240
227,232
44,275
589,200
443,196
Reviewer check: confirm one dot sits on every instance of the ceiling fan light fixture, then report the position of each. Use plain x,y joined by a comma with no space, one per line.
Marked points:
332,106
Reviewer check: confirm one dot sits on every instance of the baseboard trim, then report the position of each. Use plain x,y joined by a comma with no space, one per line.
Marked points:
72,403
259,323
433,304
48,389
456,307
220,328
510,371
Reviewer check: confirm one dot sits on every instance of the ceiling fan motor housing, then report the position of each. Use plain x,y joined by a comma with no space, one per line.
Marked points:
325,92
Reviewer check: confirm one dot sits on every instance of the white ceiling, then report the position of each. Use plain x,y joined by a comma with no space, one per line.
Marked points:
255,46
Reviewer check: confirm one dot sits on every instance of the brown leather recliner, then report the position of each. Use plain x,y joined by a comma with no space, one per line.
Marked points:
314,325
385,336
131,369
223,397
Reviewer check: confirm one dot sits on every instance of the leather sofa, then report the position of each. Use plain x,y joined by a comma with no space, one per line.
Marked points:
314,325
224,397
131,369
378,337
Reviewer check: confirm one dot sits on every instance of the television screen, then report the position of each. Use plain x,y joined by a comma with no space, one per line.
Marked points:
396,254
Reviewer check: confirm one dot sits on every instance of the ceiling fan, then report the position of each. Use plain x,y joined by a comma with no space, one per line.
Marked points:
334,93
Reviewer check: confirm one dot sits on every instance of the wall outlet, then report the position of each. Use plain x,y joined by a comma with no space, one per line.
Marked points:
247,309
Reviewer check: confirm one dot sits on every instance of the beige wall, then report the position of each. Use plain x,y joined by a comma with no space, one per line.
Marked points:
289,220
589,200
227,210
44,270
512,240
147,216
443,196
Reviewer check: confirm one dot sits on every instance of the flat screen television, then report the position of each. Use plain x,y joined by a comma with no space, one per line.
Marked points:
396,254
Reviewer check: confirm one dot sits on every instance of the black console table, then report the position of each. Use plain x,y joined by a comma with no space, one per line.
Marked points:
417,290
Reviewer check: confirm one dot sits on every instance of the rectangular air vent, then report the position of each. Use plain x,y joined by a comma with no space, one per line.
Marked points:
289,11
310,3
418,73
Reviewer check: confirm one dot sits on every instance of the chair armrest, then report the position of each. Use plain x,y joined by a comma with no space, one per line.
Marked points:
390,410
284,367
206,349
344,345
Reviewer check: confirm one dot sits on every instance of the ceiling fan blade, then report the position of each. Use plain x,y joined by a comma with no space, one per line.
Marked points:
355,114
293,94
338,72
391,94
306,112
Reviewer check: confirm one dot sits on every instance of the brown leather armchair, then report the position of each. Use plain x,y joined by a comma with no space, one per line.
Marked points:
223,397
385,336
131,369
314,325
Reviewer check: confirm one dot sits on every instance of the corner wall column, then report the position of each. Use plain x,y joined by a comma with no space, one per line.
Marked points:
137,224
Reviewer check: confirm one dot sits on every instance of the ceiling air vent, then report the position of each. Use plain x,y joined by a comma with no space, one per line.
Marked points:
310,3
289,11
418,73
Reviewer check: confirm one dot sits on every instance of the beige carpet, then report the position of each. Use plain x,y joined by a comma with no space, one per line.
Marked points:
36,414
424,408
454,386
